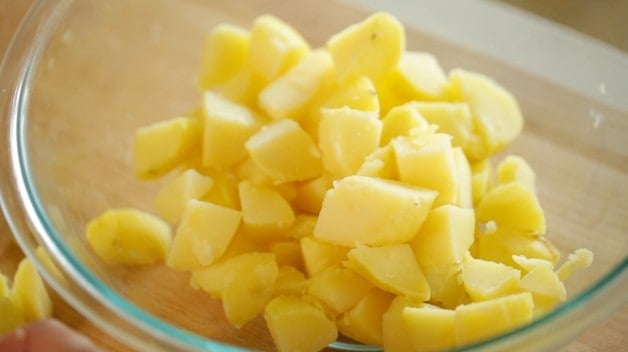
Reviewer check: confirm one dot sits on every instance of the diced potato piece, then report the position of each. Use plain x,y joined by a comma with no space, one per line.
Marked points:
496,114
430,328
387,97
486,280
431,165
451,118
303,226
338,289
543,282
290,281
500,245
480,179
380,163
265,213
580,258
419,76
288,253
392,268
160,147
372,47
319,255
227,126
516,168
446,287
29,294
465,190
480,320
249,286
285,152
129,236
345,137
224,190
445,236
275,47
310,194
372,211
396,338
203,235
297,325
359,94
289,95
12,316
400,121
224,54
512,205
363,322
173,196
529,264
242,88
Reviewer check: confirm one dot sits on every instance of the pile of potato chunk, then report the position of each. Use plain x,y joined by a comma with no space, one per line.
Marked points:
347,189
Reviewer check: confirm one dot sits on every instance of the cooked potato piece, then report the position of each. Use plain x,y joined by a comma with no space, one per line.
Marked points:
400,121
12,316
372,211
392,268
29,294
319,255
160,147
484,280
338,289
430,328
275,47
516,168
419,76
345,137
297,325
359,94
453,119
290,281
203,235
363,322
225,52
396,337
446,289
480,179
173,196
380,163
129,236
310,194
285,152
288,253
265,213
372,47
464,198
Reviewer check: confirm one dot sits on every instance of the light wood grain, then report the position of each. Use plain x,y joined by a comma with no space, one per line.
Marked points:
114,102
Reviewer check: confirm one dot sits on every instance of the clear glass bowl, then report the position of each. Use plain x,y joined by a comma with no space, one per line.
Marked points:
80,78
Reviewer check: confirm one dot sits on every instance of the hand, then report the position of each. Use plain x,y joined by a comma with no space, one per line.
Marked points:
46,336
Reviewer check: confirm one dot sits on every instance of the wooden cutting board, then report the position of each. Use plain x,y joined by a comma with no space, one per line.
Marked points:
319,19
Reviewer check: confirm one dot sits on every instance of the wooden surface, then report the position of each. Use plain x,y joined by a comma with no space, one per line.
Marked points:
608,335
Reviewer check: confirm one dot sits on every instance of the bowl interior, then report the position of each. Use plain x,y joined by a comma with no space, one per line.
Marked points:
114,66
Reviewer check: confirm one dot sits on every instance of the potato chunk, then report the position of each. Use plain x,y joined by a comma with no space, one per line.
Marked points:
372,211
338,289
372,47
129,236
173,196
29,294
203,235
319,255
297,325
225,52
485,280
430,328
363,322
419,76
285,152
265,213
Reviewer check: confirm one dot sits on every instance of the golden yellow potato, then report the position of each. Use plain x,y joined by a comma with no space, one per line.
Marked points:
419,76
171,199
363,322
430,328
485,280
338,289
29,294
319,255
225,52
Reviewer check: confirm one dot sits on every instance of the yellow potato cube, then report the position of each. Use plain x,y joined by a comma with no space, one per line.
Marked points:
224,190
227,126
160,147
464,198
445,236
248,286
400,121
203,235
430,165
363,322
419,76
542,281
479,320
288,253
345,137
496,114
396,338
29,294
285,152
338,289
380,163
372,211
297,325
480,179
265,213
392,268
129,236
303,226
516,168
242,88
512,205
224,54
370,48
486,280
173,196
451,118
12,315
500,245
319,255
359,94
580,258
290,281
289,95
446,287
275,47
430,328
310,194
